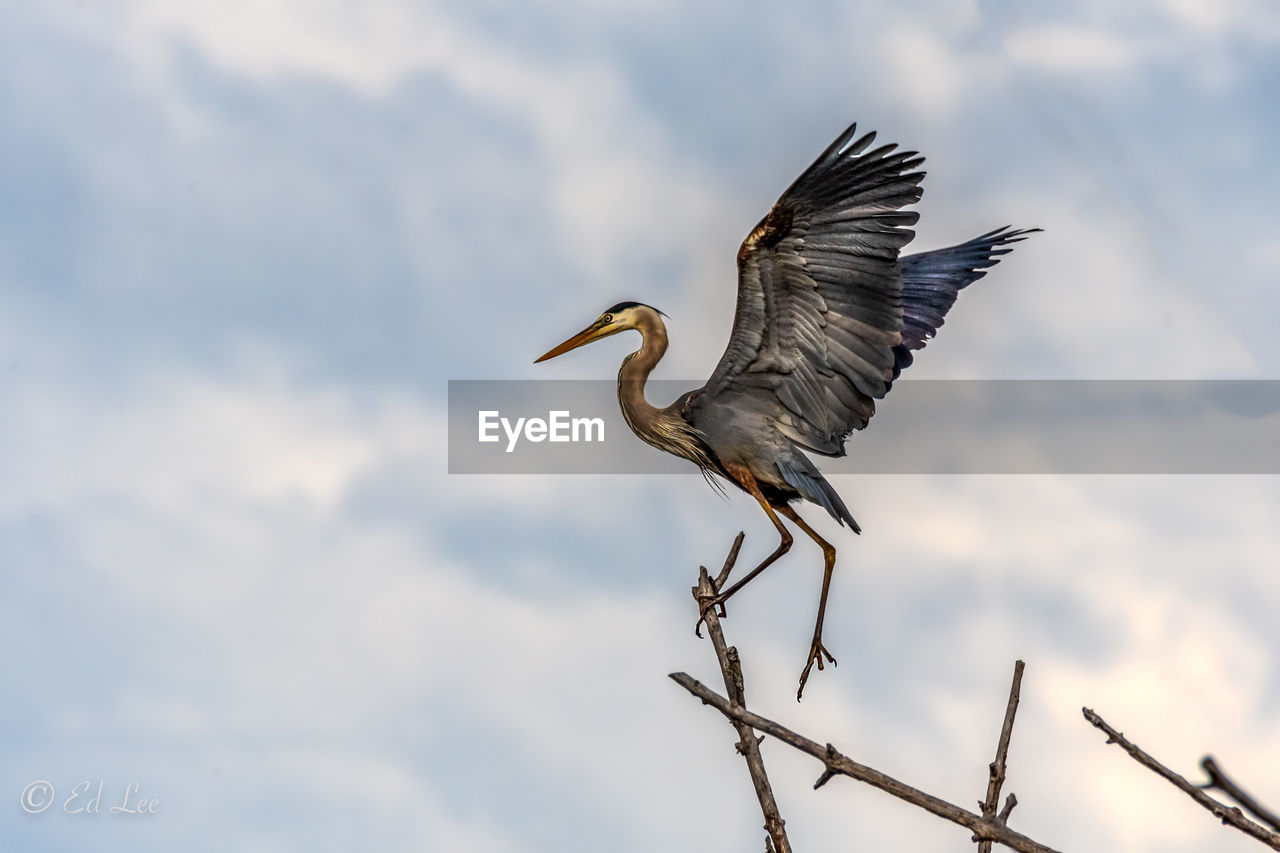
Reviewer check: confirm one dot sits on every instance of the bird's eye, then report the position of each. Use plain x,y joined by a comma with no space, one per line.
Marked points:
606,318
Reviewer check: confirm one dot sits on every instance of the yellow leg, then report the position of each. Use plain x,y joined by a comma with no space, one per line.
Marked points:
816,650
743,476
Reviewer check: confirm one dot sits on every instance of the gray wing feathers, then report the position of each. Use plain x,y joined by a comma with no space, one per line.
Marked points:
819,295
802,476
932,280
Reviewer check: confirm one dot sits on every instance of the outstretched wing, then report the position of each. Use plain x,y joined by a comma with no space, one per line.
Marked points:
931,281
819,296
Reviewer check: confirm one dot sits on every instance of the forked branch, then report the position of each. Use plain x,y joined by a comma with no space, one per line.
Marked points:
731,668
988,827
1220,780
997,769
837,764
1230,815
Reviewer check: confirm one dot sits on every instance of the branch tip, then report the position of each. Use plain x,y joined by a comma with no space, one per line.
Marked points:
1009,803
1229,815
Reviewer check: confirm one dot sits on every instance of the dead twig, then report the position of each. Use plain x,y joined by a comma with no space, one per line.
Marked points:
997,768
731,668
837,764
1230,815
1220,780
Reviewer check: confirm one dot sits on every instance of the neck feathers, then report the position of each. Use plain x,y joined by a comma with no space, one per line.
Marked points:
640,416
665,429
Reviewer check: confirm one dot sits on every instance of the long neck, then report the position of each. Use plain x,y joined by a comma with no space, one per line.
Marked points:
645,420
665,429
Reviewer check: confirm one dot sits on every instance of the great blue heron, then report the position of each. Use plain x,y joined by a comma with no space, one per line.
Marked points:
827,318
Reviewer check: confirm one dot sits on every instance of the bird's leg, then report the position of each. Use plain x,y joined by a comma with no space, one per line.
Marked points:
783,547
719,580
816,650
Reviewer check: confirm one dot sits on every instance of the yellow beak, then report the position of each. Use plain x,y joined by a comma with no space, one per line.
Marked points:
594,332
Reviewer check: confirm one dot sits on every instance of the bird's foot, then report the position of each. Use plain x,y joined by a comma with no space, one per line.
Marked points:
708,603
817,652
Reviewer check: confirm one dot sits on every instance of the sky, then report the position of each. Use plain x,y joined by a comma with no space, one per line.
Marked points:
243,249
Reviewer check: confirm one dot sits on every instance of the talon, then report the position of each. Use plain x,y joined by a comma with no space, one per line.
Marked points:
817,652
710,603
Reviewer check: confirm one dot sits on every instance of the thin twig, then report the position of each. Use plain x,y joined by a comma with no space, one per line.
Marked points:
731,669
730,560
837,764
1220,780
1009,803
997,768
1227,814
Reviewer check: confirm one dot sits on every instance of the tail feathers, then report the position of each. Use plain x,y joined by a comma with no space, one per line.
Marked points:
810,483
931,281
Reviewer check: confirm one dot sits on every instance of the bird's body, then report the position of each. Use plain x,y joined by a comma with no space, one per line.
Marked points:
827,318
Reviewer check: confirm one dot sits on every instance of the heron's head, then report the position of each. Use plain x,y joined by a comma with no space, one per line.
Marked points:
619,318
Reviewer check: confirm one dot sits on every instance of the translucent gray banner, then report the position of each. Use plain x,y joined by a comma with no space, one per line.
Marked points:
922,427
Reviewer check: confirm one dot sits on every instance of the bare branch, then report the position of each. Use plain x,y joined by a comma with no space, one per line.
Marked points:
837,764
1227,814
1220,780
729,561
730,667
997,768
1009,803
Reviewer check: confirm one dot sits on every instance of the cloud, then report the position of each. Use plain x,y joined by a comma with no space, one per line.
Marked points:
1244,18
600,153
933,76
250,243
1065,49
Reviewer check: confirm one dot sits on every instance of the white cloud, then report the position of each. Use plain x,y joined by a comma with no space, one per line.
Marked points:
609,167
932,75
1073,49
180,440
1252,19
390,790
